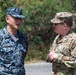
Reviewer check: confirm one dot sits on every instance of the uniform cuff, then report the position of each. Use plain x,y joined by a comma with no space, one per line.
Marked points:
59,56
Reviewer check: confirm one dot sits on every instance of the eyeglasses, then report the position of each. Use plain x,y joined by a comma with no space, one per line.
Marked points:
57,23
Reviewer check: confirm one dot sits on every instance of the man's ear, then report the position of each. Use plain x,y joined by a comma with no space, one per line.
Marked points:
7,19
65,25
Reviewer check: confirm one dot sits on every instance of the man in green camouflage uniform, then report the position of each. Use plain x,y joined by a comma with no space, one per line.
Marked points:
63,50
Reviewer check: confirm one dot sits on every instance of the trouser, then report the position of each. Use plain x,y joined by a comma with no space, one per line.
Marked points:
65,72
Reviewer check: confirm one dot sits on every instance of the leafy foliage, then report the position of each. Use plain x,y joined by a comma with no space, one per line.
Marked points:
4,4
37,24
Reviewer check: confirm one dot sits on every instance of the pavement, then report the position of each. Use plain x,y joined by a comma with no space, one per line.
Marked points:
39,68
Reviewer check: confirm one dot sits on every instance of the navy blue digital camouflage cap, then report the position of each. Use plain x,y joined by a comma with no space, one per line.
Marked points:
15,12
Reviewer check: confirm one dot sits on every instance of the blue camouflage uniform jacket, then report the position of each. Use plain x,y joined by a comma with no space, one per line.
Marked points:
12,53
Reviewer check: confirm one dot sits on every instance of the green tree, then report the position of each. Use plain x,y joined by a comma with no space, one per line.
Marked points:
4,4
37,23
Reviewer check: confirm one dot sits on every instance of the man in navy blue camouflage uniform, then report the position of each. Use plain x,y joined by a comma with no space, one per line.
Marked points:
13,44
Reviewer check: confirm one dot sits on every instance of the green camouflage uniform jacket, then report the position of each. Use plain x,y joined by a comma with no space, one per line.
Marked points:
64,47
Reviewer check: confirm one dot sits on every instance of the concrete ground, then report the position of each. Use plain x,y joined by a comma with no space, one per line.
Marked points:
39,68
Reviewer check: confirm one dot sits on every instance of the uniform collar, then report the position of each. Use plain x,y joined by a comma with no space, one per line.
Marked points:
60,40
8,35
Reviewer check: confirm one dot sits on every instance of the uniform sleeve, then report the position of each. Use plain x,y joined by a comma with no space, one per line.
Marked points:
25,40
52,48
72,58
26,43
